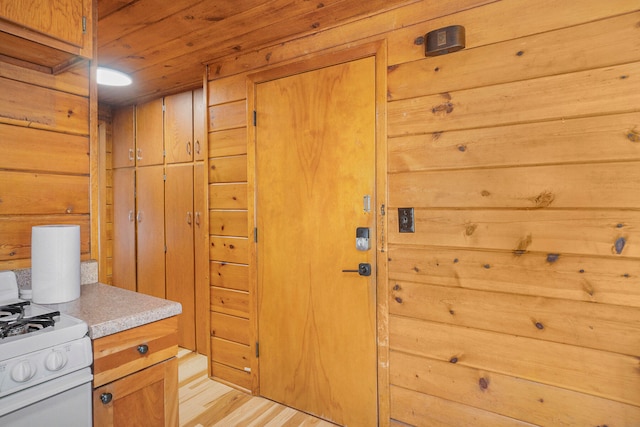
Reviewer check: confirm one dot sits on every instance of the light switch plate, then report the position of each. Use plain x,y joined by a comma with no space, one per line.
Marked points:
406,223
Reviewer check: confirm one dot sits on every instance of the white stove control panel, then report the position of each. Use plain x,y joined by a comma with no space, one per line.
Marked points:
34,368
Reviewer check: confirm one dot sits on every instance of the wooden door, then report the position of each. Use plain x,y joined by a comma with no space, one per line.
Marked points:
199,118
150,230
179,224
315,163
124,229
123,149
146,398
61,19
149,134
178,127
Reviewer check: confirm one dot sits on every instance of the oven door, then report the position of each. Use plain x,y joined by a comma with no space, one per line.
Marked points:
62,402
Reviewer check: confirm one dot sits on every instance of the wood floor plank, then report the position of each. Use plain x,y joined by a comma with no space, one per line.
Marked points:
207,403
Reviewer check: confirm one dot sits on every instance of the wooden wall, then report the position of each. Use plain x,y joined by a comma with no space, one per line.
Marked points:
44,157
517,299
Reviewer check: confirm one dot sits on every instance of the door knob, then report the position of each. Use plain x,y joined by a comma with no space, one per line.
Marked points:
364,269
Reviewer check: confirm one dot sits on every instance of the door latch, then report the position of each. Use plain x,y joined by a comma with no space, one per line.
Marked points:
364,269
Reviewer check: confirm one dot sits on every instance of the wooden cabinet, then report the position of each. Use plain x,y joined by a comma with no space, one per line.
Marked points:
150,225
184,130
46,35
124,139
164,252
199,121
124,229
180,222
178,131
135,376
149,138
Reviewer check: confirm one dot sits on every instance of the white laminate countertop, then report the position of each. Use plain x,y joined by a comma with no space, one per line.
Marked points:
109,310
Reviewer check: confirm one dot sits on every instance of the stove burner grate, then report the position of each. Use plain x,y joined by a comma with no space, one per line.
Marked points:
21,325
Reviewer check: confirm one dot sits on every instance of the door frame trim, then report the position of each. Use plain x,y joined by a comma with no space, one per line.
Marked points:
378,50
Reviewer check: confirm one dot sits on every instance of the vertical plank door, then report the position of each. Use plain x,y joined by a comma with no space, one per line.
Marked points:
315,163
179,223
150,223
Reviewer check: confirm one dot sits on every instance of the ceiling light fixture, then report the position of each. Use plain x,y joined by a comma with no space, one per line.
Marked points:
109,77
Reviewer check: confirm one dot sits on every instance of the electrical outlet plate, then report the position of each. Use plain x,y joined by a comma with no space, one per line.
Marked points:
406,223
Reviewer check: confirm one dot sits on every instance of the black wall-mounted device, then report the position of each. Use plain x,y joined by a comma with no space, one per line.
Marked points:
444,40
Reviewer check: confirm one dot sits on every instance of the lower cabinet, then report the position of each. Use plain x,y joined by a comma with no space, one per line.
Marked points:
135,376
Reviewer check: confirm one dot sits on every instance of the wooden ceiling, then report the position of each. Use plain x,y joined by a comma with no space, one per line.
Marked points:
163,44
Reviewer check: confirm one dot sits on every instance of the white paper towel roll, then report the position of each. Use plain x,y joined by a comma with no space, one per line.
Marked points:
55,263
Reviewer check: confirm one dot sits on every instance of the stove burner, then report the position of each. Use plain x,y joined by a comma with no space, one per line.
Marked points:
11,309
11,325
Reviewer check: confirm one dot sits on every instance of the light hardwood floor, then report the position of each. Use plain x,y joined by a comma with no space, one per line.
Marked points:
204,402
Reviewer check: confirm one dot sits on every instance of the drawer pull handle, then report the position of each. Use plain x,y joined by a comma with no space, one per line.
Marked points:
106,398
143,349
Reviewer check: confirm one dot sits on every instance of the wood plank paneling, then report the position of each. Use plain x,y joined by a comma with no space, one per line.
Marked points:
582,47
580,278
232,88
229,142
16,234
231,276
231,375
230,353
608,375
374,27
230,328
229,249
601,185
599,139
35,193
68,154
611,90
231,302
423,410
228,196
228,116
74,81
43,108
584,324
228,223
514,397
228,169
486,25
558,232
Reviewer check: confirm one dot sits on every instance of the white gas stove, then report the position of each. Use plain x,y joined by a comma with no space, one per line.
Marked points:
45,359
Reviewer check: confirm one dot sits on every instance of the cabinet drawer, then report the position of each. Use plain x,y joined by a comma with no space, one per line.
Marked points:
117,355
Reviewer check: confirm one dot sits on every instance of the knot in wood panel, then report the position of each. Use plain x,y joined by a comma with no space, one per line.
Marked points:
445,107
470,229
551,258
618,246
544,199
484,383
633,135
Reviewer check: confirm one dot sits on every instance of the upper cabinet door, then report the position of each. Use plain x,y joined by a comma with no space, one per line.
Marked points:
124,147
178,130
199,134
149,139
53,34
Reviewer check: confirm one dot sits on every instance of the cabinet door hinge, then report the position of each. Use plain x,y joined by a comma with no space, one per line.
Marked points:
164,177
84,25
255,234
255,118
257,349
